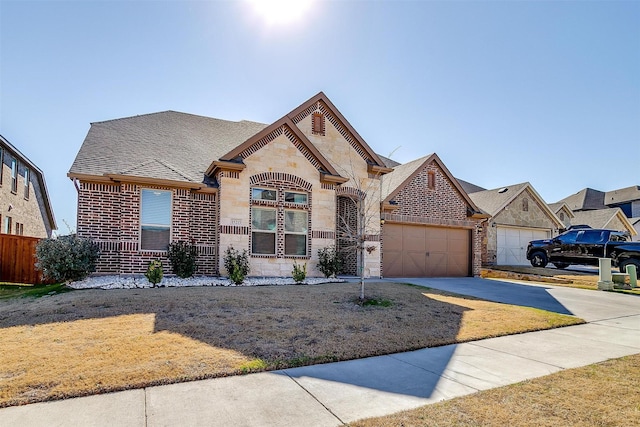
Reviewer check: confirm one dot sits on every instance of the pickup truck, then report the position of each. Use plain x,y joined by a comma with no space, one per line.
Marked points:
584,247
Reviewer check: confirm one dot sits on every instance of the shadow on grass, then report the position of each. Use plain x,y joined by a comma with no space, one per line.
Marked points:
497,291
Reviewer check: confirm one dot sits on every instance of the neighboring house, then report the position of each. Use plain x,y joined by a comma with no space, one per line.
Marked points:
563,212
610,218
25,208
586,203
430,225
518,215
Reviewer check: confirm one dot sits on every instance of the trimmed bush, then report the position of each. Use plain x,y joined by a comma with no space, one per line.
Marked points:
330,261
237,264
67,258
154,272
182,256
299,272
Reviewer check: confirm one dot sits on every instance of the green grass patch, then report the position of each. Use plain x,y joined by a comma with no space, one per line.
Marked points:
254,365
376,302
9,291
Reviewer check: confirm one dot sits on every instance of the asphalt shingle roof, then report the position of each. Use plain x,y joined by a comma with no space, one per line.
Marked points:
622,195
585,199
596,218
469,187
492,201
165,145
400,173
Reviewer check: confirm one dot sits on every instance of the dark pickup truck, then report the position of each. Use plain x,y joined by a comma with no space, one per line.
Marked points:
584,247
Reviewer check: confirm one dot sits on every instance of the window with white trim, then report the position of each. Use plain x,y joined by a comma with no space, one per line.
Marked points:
295,197
7,225
295,232
155,219
26,183
14,175
279,222
263,230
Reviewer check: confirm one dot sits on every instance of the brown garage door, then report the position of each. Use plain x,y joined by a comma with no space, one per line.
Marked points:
425,251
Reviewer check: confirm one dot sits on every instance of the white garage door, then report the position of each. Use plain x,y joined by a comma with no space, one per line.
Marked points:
512,244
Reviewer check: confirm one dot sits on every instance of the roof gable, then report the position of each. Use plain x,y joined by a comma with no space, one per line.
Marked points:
601,218
40,175
321,103
286,127
561,206
402,175
495,200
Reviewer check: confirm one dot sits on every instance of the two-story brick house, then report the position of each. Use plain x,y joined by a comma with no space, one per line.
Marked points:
25,208
281,191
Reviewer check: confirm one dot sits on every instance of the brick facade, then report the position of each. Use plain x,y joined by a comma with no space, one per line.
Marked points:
110,215
26,210
442,206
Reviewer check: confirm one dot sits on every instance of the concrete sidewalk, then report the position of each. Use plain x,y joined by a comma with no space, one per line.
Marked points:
338,393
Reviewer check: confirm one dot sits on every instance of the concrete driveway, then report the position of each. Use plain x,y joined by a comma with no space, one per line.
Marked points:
337,393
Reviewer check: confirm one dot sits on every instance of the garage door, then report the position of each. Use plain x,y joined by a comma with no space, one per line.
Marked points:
423,251
512,244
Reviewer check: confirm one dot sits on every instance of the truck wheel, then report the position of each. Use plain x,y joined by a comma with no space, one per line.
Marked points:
539,259
623,266
561,265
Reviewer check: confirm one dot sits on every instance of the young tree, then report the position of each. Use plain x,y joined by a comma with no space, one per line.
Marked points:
358,216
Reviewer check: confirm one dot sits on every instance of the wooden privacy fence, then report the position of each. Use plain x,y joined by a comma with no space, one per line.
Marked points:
18,258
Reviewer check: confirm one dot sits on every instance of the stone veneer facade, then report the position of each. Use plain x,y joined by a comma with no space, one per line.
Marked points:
442,206
515,215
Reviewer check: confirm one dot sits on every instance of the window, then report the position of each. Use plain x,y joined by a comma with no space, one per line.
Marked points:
431,180
561,216
525,205
19,229
279,222
26,183
14,176
568,237
318,124
291,197
7,225
263,231
295,232
263,194
155,220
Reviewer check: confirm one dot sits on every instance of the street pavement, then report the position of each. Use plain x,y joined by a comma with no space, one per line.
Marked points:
338,393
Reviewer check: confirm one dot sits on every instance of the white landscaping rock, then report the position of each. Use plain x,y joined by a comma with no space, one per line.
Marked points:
139,281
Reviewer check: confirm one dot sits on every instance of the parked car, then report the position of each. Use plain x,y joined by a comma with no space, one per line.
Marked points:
584,247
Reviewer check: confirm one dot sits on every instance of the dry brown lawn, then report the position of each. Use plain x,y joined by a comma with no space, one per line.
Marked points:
92,341
605,394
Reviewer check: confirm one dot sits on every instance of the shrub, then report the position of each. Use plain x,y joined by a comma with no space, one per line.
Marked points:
330,261
154,272
182,256
299,272
66,258
236,264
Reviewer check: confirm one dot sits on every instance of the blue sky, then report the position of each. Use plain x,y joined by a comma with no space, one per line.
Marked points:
503,91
